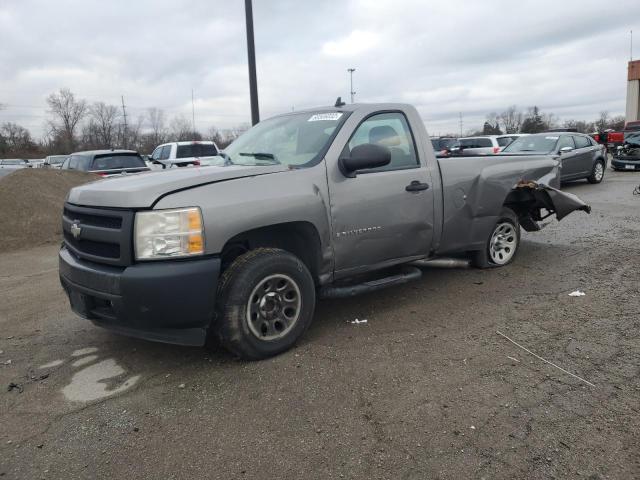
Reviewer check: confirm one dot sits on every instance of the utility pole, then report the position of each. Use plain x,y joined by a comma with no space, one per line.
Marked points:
124,114
461,124
351,70
251,54
631,48
193,114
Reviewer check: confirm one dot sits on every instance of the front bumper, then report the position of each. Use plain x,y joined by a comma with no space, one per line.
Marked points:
620,164
166,301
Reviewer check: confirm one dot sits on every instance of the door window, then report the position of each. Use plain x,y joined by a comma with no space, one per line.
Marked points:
166,152
566,141
581,142
389,130
156,153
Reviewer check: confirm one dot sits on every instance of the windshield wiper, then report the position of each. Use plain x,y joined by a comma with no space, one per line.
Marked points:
260,156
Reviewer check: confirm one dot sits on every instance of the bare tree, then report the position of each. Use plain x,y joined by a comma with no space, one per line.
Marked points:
104,122
156,119
67,113
180,129
617,122
511,119
15,140
579,125
217,136
603,121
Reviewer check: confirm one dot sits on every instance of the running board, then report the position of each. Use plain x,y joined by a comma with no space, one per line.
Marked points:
443,263
407,274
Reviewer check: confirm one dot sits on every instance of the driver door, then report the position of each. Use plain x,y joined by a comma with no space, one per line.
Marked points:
385,214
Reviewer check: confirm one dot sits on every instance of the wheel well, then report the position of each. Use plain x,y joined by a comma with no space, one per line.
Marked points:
299,238
527,207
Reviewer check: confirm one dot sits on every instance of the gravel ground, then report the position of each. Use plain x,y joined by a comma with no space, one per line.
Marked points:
424,389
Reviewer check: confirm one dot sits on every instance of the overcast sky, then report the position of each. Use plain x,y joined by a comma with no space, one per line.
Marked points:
567,57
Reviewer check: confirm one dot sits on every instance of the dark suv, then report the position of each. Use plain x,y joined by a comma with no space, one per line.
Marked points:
581,155
106,162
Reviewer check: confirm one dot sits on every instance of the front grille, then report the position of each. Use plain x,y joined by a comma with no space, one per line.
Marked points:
102,235
96,249
94,220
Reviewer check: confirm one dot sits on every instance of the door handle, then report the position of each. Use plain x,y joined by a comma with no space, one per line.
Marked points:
416,186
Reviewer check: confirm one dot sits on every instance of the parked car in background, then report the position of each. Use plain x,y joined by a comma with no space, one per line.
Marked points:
183,154
14,163
481,145
106,162
616,139
627,156
441,145
580,155
36,162
54,161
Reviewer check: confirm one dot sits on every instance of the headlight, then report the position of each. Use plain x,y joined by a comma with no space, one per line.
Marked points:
168,233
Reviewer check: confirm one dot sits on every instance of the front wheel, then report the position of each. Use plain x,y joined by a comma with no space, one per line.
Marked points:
502,244
266,300
597,173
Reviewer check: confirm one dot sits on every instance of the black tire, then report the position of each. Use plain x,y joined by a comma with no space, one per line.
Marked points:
483,258
247,277
597,175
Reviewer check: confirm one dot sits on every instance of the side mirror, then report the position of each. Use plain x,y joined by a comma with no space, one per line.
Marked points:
565,150
362,157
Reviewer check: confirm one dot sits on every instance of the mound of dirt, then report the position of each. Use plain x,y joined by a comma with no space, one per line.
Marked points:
31,202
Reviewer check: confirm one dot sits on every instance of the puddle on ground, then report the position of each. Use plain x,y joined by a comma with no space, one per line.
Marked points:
98,379
89,384
52,364
84,351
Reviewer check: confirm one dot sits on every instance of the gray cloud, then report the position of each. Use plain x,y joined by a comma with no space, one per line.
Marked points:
446,57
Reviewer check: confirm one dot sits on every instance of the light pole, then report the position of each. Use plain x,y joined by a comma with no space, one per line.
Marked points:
351,70
251,54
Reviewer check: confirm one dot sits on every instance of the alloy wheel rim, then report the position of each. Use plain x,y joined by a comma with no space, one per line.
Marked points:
599,172
273,307
503,243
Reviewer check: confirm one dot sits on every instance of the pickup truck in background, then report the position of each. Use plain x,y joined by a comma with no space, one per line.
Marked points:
184,154
616,139
324,203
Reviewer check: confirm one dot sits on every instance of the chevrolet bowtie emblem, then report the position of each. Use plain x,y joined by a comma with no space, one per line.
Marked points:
76,230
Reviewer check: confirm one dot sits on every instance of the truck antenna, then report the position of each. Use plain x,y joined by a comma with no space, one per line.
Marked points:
339,102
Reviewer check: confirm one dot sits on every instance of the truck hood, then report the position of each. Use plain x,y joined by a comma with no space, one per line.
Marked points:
142,190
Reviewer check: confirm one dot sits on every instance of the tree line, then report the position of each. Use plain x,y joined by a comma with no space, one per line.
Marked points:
73,124
533,120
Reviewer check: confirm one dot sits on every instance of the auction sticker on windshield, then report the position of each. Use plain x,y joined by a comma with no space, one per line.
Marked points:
551,138
325,116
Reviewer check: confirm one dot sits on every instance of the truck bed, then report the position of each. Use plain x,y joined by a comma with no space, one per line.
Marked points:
474,189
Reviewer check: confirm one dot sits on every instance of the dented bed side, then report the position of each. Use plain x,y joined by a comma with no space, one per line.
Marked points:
476,189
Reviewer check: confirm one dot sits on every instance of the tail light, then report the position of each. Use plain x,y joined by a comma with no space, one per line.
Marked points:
496,150
196,162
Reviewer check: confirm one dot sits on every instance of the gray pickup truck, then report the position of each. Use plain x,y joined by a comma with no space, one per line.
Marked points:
324,203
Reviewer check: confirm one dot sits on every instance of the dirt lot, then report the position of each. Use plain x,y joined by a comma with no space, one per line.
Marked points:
424,389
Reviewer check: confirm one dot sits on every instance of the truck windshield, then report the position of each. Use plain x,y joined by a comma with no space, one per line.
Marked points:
533,143
297,140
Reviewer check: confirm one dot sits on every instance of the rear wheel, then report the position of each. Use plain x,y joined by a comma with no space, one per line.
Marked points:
502,244
266,301
597,173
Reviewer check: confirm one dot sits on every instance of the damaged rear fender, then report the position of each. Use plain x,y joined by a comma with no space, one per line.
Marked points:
533,202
